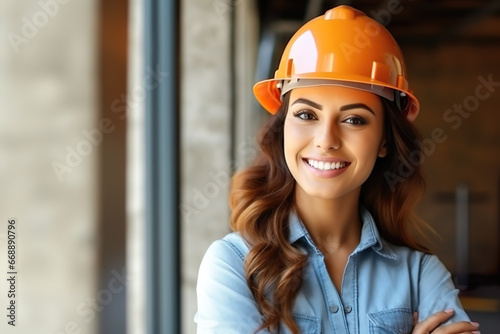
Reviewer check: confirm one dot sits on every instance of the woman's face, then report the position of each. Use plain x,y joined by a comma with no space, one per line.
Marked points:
332,138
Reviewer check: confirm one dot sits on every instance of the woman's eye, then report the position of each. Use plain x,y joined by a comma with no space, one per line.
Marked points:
355,120
305,115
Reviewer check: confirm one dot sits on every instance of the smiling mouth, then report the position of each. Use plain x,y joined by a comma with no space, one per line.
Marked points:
322,165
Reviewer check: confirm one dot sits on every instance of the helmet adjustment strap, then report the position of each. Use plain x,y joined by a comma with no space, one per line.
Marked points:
401,100
288,85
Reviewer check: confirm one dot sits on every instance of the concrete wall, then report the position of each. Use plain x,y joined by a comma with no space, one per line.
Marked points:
249,114
205,136
48,101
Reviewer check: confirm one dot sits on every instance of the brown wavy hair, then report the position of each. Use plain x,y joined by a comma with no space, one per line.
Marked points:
261,200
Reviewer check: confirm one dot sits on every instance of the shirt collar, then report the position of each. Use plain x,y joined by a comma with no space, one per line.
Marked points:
370,237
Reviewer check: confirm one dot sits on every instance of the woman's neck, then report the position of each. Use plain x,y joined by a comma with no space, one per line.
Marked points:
334,224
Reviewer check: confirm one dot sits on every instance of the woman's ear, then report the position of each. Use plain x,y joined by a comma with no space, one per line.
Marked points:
382,151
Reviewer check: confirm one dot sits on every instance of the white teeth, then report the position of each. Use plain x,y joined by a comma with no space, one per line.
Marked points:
325,165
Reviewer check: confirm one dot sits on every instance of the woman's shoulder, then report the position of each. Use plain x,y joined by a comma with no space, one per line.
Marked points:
424,268
231,249
409,257
407,254
223,262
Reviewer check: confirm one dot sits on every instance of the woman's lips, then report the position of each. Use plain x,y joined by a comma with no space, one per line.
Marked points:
326,168
326,165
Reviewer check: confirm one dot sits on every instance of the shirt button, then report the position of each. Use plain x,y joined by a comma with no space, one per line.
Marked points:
348,309
334,308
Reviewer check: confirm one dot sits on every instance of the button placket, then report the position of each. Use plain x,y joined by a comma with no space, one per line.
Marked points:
349,293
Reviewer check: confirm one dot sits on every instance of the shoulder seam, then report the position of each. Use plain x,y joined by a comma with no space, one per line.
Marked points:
423,262
234,248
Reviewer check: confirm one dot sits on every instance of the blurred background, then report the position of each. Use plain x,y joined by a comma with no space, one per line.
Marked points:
122,121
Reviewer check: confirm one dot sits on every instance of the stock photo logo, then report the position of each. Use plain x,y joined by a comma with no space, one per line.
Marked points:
453,117
93,138
32,24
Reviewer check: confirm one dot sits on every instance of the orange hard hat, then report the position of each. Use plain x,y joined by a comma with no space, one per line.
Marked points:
343,47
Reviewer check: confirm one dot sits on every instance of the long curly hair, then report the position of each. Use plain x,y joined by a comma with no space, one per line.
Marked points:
261,199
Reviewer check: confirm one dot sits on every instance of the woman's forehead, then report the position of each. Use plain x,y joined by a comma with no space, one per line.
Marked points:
329,94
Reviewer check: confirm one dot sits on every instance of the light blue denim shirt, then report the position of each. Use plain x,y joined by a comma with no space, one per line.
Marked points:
382,286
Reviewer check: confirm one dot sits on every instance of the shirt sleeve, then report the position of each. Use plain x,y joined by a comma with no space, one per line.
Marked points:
437,291
225,302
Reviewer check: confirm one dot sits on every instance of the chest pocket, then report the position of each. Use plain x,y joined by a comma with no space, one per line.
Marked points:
307,324
393,321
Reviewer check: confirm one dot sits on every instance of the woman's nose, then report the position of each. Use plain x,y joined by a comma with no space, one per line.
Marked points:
328,138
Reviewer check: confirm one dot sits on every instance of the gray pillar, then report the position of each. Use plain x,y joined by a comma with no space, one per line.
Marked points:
162,171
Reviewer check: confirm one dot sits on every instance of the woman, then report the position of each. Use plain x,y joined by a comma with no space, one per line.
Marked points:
322,219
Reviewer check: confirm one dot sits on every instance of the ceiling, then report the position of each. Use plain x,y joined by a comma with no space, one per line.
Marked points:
413,21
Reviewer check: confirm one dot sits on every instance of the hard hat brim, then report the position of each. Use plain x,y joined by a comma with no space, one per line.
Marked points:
268,94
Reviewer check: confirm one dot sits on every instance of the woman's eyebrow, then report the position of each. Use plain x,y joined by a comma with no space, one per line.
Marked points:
356,106
308,102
